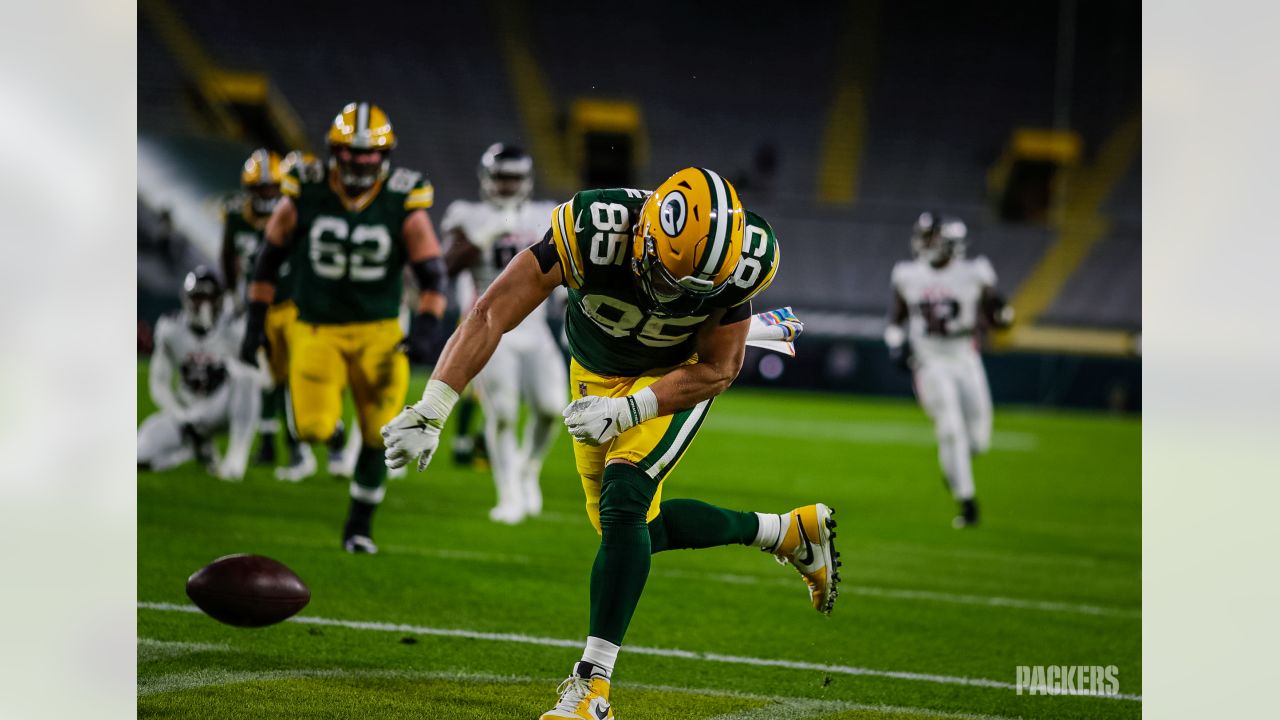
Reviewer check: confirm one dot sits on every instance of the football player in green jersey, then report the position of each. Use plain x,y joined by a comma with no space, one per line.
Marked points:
660,287
348,234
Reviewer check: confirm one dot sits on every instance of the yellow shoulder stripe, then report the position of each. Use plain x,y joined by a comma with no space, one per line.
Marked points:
289,186
566,241
420,197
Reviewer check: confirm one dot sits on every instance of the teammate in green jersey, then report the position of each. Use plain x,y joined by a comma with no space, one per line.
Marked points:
348,235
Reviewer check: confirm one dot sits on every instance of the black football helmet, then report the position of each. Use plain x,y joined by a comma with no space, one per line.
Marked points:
202,299
506,174
936,238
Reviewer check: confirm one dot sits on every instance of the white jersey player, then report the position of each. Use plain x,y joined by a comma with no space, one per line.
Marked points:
214,390
944,297
482,237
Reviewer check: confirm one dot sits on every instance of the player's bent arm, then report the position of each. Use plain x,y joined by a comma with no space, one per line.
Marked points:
459,253
720,349
230,272
278,238
521,288
894,334
425,260
998,312
160,373
595,420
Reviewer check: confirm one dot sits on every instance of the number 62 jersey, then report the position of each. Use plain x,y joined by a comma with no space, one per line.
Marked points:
348,259
612,329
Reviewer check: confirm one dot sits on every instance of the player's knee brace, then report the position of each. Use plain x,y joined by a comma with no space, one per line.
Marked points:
625,495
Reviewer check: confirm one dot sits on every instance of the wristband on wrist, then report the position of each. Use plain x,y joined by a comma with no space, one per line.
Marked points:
439,398
642,406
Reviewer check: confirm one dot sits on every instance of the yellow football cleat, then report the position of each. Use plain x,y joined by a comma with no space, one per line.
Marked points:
582,699
809,545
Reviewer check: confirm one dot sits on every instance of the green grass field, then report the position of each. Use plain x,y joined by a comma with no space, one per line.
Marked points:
461,618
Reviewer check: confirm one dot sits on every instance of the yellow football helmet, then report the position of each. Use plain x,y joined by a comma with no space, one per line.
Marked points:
688,240
308,166
261,177
361,128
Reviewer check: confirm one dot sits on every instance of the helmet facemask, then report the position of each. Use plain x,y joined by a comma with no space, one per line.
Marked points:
938,240
358,169
201,301
506,189
667,293
263,199
506,175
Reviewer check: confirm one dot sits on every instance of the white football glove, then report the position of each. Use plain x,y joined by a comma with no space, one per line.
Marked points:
595,420
414,434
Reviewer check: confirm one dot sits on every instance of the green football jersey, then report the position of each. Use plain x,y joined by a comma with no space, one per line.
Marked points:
348,261
612,329
244,232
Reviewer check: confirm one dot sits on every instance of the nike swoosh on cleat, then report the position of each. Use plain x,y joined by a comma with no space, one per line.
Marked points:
808,546
600,709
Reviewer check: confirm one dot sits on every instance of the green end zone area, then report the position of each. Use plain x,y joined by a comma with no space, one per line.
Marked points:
462,618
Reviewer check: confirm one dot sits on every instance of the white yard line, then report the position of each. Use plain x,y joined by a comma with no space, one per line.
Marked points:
639,650
786,708
149,649
857,433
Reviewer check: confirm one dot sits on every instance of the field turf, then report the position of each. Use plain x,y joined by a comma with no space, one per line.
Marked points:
462,618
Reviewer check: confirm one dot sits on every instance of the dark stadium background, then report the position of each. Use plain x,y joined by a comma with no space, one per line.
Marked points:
838,122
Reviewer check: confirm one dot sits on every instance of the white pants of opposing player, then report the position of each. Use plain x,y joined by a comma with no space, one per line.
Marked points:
953,390
526,366
234,406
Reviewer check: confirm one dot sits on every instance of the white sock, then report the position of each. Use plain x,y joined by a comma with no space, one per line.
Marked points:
601,653
771,531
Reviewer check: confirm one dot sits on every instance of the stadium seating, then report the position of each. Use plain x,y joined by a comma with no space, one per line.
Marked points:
948,87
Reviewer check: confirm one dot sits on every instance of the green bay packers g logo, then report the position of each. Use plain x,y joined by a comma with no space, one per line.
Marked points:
673,213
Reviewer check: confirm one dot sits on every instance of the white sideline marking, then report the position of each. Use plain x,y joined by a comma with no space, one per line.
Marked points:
640,650
782,707
859,433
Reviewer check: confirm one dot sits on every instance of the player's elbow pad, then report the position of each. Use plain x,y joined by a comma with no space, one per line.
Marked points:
430,274
267,269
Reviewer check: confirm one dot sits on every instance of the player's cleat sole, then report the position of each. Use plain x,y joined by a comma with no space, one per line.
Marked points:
809,546
360,545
